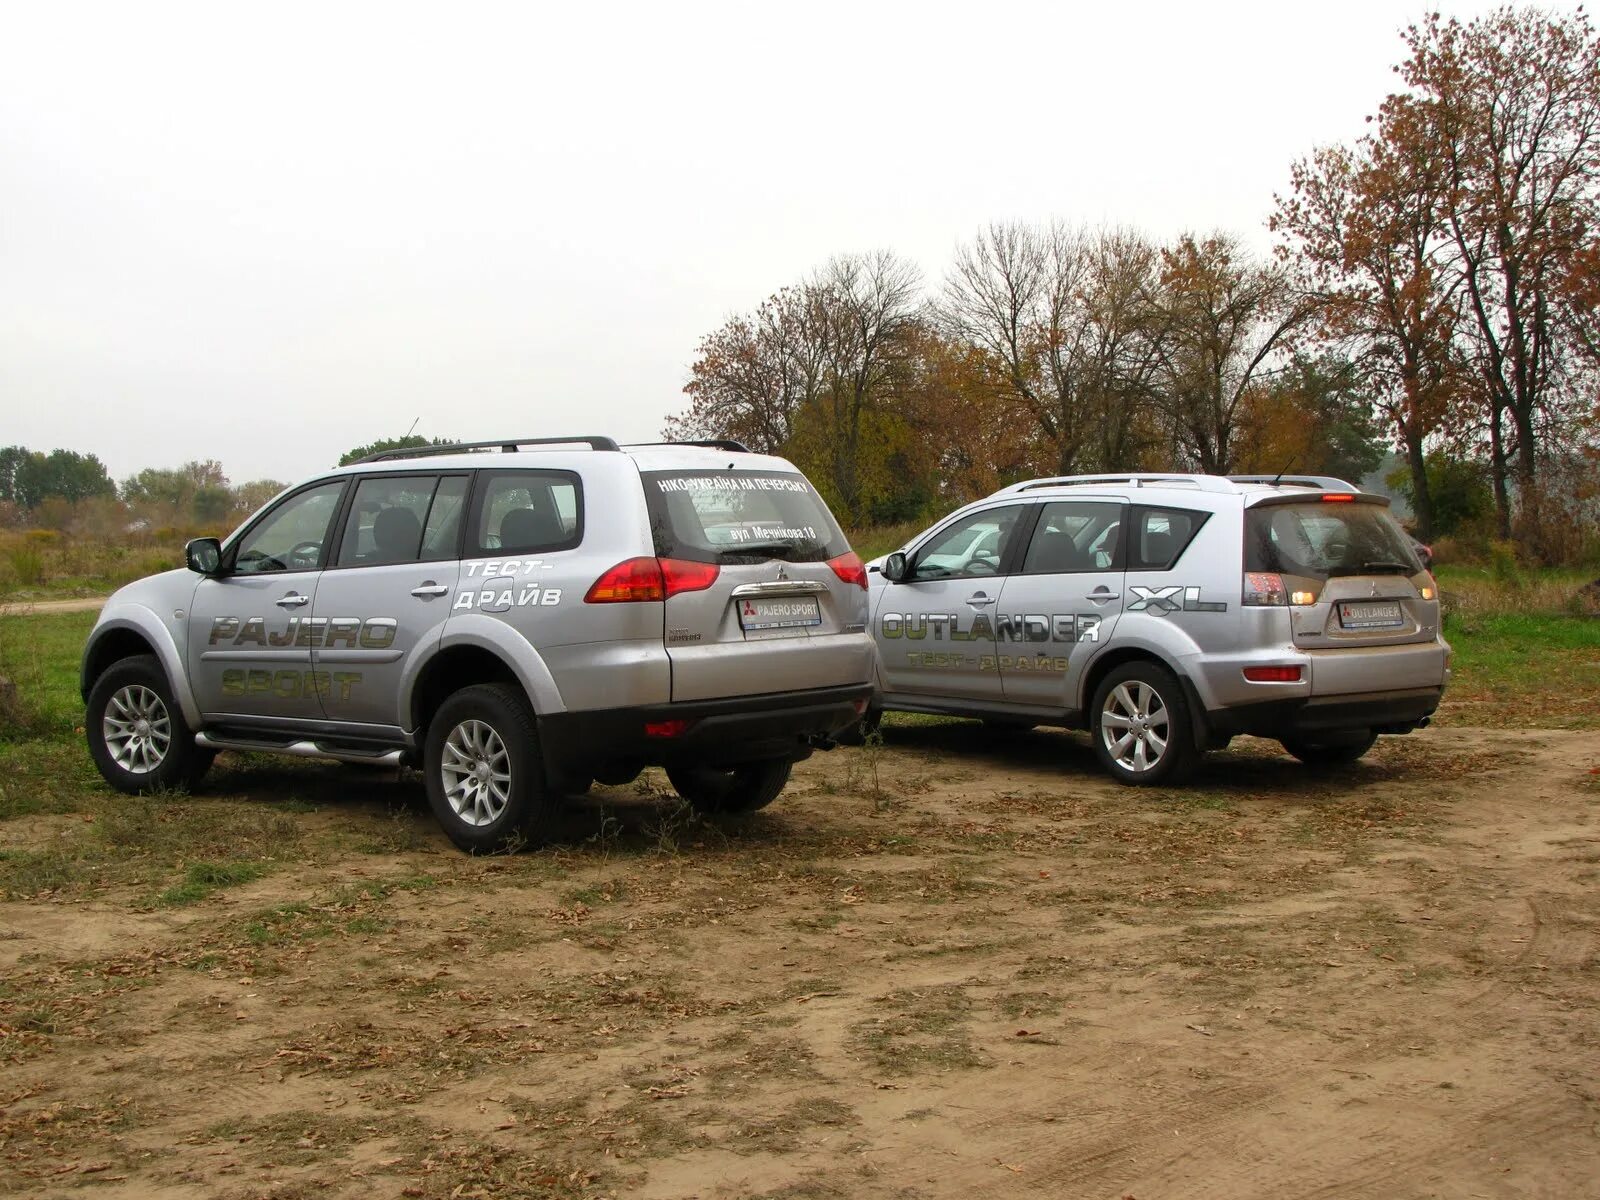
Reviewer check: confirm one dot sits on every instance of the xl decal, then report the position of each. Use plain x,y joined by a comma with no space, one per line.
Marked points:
1176,598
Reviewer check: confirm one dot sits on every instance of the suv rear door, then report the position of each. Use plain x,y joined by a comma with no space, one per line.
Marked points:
763,592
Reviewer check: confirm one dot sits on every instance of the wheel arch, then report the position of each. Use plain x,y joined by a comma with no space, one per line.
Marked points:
131,631
477,649
1108,662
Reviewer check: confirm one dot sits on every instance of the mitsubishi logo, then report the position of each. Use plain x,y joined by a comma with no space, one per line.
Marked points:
782,574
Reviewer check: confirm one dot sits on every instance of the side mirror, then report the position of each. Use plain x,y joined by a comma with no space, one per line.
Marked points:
895,567
204,555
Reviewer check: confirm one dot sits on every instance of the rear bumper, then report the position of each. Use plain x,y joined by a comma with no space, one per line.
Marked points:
1386,712
723,731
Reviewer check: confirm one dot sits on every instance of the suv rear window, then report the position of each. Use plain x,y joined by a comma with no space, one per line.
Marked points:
739,516
1318,540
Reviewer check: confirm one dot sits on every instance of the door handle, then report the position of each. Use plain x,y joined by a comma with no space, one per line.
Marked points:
979,600
430,589
292,600
1102,595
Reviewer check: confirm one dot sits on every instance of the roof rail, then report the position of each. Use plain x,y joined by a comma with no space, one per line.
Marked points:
1326,483
708,443
504,445
1203,483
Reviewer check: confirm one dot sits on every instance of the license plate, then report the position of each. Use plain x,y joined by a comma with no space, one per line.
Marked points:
1381,615
788,612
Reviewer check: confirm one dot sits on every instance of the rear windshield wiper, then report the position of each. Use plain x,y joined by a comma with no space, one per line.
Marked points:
1388,567
758,551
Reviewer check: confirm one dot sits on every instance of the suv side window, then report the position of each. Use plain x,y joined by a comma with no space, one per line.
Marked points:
1075,535
526,512
386,520
1161,535
294,535
973,546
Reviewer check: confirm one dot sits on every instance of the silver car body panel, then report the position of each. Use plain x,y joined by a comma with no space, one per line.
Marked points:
339,652
1189,616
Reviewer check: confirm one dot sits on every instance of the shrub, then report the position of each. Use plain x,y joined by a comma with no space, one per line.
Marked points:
27,564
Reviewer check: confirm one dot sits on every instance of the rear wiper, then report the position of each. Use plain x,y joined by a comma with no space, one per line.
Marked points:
757,550
1388,566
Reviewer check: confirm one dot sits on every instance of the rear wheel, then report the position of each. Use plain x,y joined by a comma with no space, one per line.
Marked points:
481,761
1331,751
137,735
739,789
1142,733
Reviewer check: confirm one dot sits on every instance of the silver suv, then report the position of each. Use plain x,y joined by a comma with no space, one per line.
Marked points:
1165,614
518,618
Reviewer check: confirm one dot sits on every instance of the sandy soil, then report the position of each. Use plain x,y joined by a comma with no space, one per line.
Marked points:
76,604
952,967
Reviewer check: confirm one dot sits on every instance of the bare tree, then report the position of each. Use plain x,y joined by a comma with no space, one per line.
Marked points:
1063,317
1224,322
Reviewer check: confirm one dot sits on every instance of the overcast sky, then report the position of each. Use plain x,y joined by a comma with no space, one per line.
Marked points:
267,233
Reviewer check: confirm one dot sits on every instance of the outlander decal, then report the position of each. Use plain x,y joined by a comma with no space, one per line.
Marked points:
1030,627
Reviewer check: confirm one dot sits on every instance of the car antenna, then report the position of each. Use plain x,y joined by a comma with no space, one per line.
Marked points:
1279,476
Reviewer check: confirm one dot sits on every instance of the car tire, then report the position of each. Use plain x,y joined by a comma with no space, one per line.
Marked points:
740,789
1329,752
136,731
484,776
1141,727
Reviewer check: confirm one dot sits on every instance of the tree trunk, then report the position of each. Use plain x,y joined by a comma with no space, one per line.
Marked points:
1497,473
1421,496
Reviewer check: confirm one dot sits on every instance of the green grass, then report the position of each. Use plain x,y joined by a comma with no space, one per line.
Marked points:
41,655
1524,670
203,878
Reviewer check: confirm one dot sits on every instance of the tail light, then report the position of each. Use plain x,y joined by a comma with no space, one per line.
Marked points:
682,576
1273,674
642,580
848,567
1429,590
1337,498
1264,589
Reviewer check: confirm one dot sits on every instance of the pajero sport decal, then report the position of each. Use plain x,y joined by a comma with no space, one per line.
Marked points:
373,633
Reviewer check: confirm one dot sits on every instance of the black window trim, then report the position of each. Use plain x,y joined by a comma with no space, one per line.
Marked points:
1021,534
1119,561
1137,515
349,500
230,551
480,487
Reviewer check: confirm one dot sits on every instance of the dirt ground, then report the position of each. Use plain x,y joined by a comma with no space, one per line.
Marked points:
949,967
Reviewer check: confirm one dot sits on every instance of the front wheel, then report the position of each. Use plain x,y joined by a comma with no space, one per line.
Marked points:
740,789
137,735
1142,733
481,761
1331,751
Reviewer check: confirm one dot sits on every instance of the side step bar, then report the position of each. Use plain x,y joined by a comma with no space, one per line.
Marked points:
302,749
